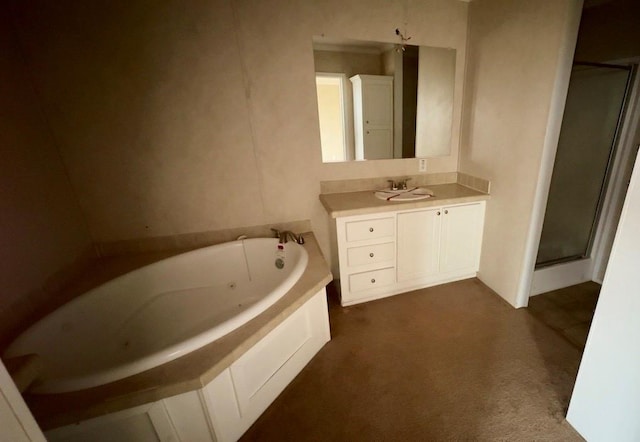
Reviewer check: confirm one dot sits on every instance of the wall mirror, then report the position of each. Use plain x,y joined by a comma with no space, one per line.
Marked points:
378,101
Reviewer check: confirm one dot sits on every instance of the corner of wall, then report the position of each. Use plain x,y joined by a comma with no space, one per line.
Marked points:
512,114
552,135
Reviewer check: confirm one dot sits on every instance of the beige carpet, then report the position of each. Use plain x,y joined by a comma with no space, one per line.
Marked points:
453,362
568,311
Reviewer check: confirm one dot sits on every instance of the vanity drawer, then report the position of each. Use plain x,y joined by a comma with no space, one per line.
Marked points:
357,256
371,280
370,229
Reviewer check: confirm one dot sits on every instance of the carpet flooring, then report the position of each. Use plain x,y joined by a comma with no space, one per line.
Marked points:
452,362
568,311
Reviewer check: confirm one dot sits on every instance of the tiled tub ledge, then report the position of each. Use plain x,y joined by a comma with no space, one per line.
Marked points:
189,376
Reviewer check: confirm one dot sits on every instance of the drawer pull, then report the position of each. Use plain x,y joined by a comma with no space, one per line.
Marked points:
370,229
371,254
373,280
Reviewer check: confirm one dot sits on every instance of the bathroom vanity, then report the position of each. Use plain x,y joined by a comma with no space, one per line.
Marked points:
386,247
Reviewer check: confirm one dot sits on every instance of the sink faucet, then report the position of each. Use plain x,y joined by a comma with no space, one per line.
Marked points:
285,235
401,184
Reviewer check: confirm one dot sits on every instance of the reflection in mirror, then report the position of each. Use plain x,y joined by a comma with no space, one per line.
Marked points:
378,101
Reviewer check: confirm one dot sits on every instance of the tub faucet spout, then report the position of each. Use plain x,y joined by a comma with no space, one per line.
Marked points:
285,235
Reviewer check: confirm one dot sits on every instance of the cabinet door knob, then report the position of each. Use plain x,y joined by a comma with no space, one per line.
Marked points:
373,280
370,229
446,211
371,254
367,131
438,213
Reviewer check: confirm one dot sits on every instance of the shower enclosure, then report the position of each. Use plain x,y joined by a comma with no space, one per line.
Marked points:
593,114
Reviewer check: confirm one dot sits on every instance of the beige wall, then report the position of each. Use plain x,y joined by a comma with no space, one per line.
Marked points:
42,233
514,55
176,117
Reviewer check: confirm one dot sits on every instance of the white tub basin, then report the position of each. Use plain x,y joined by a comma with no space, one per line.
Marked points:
410,194
158,313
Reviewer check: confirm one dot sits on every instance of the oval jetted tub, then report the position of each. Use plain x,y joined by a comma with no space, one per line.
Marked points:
158,313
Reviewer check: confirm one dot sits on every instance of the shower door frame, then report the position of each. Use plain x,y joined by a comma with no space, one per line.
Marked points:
618,183
592,266
613,152
598,219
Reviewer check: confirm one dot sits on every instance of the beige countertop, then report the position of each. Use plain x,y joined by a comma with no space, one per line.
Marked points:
190,372
365,202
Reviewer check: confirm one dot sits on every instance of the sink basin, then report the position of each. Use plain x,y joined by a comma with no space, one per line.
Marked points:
410,194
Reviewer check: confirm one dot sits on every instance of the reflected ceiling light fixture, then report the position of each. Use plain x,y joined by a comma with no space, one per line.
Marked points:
403,41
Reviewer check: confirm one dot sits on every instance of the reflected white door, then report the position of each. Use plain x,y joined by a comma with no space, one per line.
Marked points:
373,116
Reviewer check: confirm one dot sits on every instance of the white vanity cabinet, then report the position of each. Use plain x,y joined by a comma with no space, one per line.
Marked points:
394,252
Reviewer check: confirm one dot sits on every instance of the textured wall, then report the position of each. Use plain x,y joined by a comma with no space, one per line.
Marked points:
42,233
514,54
175,117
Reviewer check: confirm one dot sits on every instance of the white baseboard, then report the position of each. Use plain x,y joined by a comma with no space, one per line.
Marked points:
563,275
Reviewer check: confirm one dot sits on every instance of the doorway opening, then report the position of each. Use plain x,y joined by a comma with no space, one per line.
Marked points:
334,114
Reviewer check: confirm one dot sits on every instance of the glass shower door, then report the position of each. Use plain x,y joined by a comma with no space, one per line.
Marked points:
595,104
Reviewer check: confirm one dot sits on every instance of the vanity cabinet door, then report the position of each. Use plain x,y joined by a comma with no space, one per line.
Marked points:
418,244
461,237
441,242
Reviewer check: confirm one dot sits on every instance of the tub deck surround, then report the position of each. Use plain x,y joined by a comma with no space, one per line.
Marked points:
190,372
364,202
